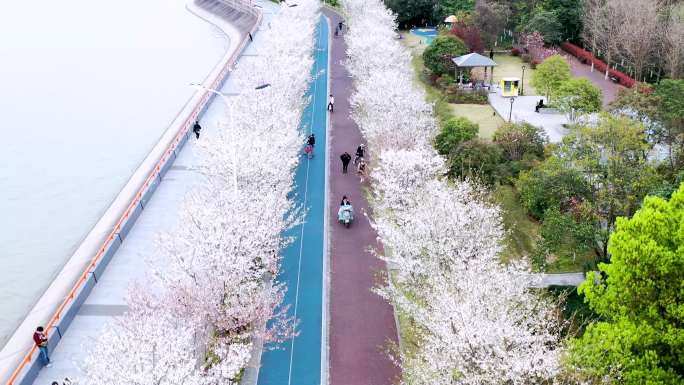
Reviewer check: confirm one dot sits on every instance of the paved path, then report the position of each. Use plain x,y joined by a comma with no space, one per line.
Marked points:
107,300
561,279
299,361
523,111
361,323
608,87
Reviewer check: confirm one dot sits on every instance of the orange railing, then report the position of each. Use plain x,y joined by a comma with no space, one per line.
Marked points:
92,265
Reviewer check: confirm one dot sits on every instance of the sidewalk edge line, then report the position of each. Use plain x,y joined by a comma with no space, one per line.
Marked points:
325,309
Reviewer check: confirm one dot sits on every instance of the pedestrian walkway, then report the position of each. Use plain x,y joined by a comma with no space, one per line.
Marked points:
361,323
131,262
609,88
302,360
561,279
524,111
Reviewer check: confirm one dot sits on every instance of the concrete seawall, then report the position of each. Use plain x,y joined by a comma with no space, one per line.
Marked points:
61,301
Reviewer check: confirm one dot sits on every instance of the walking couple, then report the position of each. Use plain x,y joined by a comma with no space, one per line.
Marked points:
358,160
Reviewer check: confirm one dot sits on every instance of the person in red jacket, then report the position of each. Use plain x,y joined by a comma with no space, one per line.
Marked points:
41,342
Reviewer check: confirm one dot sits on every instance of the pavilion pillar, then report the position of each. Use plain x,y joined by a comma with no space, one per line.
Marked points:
491,78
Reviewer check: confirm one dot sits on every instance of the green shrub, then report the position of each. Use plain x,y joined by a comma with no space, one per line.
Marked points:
518,139
458,96
578,94
444,81
476,159
551,184
454,132
563,236
438,55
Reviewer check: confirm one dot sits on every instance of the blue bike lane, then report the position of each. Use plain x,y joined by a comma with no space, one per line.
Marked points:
299,361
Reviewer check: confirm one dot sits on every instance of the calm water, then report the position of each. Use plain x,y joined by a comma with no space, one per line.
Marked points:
86,89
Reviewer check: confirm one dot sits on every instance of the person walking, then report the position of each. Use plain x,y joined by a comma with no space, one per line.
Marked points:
41,341
346,158
331,103
339,25
361,170
360,151
196,129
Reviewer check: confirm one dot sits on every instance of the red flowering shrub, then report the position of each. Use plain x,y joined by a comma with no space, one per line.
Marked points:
515,51
622,78
599,65
587,57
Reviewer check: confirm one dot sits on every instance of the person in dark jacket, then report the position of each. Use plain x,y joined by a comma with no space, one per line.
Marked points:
346,158
309,148
331,103
360,151
196,129
345,201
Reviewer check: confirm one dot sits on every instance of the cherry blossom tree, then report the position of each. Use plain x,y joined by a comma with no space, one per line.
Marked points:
476,319
213,292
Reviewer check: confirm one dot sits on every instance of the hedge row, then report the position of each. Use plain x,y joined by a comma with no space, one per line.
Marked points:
587,57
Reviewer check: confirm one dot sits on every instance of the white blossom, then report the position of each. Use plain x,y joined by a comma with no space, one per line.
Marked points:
214,289
476,320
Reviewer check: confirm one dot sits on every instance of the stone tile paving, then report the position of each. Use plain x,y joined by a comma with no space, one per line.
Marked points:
608,87
523,111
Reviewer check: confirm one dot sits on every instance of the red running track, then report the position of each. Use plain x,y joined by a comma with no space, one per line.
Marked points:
361,323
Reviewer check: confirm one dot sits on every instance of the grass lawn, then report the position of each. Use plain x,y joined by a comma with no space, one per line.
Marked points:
571,264
522,231
511,66
482,114
415,43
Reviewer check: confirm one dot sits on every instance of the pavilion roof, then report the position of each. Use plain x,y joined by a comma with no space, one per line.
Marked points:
473,60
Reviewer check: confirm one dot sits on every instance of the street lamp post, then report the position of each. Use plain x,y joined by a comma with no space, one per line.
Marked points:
510,112
224,97
522,82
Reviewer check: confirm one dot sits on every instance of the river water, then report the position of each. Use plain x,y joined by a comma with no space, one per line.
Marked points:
86,90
